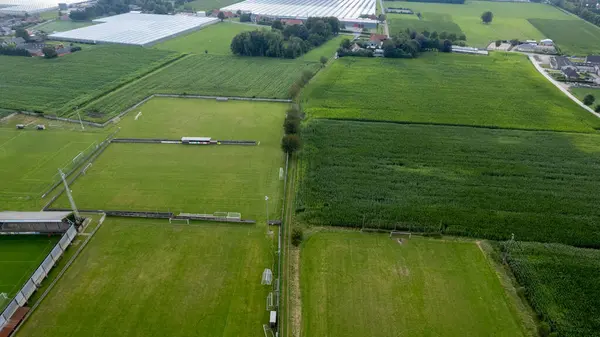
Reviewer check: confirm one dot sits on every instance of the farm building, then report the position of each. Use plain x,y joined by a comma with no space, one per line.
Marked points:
469,50
348,12
135,29
561,62
35,222
595,59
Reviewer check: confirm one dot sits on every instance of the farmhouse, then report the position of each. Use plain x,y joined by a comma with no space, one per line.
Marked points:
561,62
376,40
291,22
35,222
570,73
594,59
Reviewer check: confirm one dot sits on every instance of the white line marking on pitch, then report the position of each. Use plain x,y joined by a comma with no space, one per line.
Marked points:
138,115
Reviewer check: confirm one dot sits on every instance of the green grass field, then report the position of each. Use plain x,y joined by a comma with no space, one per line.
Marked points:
356,284
61,26
501,90
58,85
192,179
540,186
29,159
431,22
562,283
580,93
204,5
510,19
328,49
215,39
574,37
210,75
20,256
151,278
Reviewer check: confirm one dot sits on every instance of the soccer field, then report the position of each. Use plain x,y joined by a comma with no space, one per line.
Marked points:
20,255
151,278
30,159
356,284
188,178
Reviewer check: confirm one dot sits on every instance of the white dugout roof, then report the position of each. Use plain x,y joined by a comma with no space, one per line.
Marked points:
135,29
342,9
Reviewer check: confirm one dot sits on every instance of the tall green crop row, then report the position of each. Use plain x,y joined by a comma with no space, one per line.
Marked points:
541,186
562,283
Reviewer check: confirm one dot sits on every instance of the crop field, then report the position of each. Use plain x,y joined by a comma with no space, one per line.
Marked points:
562,283
151,278
431,22
431,89
541,186
209,75
510,19
62,26
29,159
188,178
356,284
59,85
328,49
19,258
574,37
214,39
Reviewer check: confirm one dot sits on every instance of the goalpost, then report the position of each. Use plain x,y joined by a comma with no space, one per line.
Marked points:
187,221
400,233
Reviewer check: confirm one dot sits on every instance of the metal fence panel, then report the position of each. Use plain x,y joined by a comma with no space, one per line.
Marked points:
2,321
64,242
48,263
71,233
10,310
28,289
56,253
20,299
38,276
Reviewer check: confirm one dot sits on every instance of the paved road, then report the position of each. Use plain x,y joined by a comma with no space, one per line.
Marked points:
385,25
557,84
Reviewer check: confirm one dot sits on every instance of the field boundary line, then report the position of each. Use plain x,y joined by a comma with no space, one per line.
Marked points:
58,277
488,127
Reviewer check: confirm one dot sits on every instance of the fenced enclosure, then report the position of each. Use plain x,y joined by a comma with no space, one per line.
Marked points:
38,276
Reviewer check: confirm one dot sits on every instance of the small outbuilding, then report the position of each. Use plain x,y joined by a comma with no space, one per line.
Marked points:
35,222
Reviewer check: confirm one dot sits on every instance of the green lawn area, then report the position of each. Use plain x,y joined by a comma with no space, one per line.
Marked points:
204,5
215,39
500,90
510,19
431,22
484,183
57,86
49,15
328,49
208,75
580,93
562,283
151,278
573,37
20,256
356,284
61,26
192,179
29,159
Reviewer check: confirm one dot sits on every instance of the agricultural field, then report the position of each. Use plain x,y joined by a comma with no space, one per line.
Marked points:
432,22
191,179
30,159
151,278
573,37
208,75
214,39
62,26
328,49
59,85
540,186
432,88
20,256
357,284
510,19
205,5
562,283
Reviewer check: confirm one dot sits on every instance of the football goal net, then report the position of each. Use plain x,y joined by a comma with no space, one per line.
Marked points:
174,220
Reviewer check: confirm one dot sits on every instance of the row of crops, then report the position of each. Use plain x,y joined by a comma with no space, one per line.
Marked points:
501,90
561,283
209,75
541,186
59,85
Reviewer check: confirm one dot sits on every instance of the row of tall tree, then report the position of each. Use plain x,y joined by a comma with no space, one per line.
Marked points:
579,8
286,41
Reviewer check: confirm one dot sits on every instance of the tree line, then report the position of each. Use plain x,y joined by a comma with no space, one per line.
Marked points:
113,7
590,14
289,41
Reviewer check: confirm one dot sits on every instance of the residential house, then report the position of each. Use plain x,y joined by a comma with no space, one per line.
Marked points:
561,62
570,73
291,22
228,15
376,40
585,67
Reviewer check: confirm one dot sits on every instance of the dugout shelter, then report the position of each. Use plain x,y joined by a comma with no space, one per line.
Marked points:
35,222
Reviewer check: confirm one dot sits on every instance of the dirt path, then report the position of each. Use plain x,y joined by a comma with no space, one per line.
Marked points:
293,306
385,25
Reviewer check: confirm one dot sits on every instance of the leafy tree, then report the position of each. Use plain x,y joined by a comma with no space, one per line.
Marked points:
544,329
487,17
446,46
345,44
290,143
49,52
323,60
434,35
597,109
277,25
514,42
426,33
589,99
291,125
294,90
297,236
443,35
498,43
452,37
381,17
21,32
221,16
462,37
245,18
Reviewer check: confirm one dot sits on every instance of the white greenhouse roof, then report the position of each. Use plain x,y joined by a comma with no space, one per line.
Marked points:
18,7
342,9
135,29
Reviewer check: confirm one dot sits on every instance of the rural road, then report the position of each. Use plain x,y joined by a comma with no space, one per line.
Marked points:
385,25
556,84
